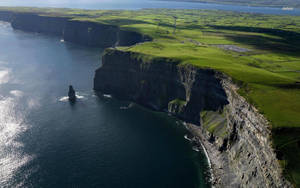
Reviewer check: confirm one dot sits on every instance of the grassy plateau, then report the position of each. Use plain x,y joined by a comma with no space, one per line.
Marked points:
261,53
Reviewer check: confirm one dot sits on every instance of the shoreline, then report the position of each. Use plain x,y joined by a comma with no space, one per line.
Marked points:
246,129
216,162
212,175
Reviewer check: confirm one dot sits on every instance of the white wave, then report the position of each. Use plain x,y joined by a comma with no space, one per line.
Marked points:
187,138
66,98
107,96
195,148
16,93
80,97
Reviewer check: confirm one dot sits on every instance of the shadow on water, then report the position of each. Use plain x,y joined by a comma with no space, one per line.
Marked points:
73,104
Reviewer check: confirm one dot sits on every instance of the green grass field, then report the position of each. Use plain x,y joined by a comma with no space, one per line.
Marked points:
266,66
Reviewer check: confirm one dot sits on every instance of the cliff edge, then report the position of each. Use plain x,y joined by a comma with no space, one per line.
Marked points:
235,135
85,33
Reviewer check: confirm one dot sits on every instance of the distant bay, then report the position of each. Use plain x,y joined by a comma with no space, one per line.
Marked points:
140,4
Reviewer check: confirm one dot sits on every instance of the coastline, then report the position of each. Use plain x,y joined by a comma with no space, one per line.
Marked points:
231,129
198,142
247,130
216,162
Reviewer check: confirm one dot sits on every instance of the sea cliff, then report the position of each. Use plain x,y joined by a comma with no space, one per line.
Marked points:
5,16
235,135
86,33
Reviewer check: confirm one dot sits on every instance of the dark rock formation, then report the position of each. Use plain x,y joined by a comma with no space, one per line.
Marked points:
128,38
235,135
5,16
39,24
90,34
240,151
80,32
72,94
160,84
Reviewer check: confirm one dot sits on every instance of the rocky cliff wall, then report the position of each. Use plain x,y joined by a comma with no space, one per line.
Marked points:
90,34
235,135
160,84
5,16
128,38
38,24
79,32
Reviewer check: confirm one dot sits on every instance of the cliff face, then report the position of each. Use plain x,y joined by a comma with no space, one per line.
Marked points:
5,16
160,84
128,38
38,24
249,143
90,34
235,134
79,32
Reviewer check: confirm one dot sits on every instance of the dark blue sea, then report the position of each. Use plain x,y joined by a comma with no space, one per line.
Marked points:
45,142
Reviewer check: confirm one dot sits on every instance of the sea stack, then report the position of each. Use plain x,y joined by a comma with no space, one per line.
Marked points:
72,94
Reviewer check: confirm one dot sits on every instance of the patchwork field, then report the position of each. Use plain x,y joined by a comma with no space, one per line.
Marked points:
260,52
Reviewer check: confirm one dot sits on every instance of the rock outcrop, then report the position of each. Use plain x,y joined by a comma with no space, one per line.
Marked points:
235,134
38,24
5,16
90,34
72,94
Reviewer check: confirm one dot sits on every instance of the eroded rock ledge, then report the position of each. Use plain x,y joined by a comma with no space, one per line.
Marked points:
235,135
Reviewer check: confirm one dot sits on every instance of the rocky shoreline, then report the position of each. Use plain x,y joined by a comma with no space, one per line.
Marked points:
235,136
218,164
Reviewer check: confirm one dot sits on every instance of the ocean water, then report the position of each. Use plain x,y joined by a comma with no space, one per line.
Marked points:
140,4
98,142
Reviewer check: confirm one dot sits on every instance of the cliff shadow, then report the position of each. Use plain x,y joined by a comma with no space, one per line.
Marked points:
123,21
279,41
204,92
